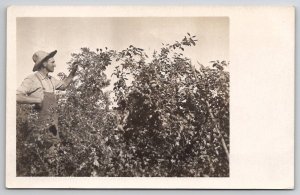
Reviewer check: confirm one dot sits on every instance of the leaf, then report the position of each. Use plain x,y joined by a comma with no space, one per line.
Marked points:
96,163
193,42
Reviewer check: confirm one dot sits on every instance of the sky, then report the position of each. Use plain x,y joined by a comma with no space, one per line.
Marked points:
68,35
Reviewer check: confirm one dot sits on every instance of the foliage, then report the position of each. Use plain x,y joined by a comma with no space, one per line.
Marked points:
171,119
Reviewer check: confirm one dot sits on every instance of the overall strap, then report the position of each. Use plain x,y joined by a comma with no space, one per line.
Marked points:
40,81
52,84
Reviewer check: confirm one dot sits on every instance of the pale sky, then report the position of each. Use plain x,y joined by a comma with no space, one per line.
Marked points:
68,35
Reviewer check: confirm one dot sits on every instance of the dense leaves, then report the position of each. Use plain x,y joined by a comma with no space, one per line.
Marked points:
170,118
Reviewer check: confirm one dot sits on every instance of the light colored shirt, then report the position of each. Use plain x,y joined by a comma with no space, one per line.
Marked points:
31,86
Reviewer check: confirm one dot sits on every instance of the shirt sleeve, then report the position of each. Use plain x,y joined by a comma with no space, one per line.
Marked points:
27,87
57,83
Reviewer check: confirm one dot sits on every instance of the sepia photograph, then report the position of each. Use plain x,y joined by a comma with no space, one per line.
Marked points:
123,97
141,97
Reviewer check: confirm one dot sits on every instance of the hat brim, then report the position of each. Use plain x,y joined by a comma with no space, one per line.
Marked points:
37,65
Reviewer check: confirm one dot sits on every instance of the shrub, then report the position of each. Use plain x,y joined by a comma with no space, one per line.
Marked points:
171,119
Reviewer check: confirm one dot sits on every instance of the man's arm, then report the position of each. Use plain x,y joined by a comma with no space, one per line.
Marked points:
28,87
24,99
67,81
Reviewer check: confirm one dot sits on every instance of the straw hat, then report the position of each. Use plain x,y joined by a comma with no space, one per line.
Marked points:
39,57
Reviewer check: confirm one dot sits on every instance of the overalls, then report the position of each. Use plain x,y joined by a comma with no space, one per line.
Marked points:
48,116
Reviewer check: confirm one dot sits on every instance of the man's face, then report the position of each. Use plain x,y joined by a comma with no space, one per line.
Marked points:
50,64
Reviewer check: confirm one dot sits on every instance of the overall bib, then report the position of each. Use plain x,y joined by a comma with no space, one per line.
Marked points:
48,116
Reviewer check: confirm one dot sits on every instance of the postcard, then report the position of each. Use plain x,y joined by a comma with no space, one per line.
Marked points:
150,97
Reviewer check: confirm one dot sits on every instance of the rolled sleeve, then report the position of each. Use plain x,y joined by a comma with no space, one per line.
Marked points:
27,87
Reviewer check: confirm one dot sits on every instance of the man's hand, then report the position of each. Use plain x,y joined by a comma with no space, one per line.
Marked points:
69,78
39,104
75,68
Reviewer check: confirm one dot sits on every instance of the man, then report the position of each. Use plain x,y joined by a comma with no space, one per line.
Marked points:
39,89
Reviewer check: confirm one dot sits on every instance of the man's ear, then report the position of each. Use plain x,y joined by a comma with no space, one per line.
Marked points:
44,64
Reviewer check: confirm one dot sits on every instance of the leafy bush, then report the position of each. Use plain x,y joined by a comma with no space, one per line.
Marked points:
170,120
